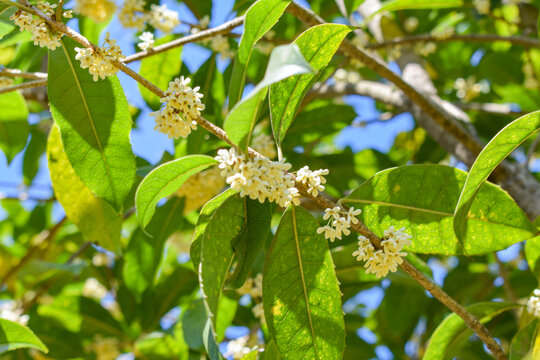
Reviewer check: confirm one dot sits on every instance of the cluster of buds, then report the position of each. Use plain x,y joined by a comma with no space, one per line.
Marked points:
134,15
42,33
264,144
425,49
314,180
97,10
253,288
220,44
94,289
533,304
147,41
196,195
259,178
389,257
182,107
339,222
99,61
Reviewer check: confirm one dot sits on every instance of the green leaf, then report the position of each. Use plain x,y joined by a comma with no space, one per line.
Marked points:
164,181
14,128
6,25
250,241
36,147
162,346
206,214
506,141
94,217
169,64
302,300
194,320
217,252
94,122
318,45
526,343
285,61
422,199
260,18
91,29
210,344
532,254
15,336
393,5
144,251
453,333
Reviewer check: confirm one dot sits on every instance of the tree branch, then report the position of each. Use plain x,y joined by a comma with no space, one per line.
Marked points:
26,85
16,73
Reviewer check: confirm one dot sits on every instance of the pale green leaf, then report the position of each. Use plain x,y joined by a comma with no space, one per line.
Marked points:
14,128
95,124
453,333
285,61
532,254
526,343
318,45
169,64
15,336
260,18
94,217
422,198
6,25
164,181
302,300
393,5
506,141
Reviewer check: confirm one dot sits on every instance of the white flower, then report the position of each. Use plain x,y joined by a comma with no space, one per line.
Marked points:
264,144
93,288
101,259
339,222
11,310
200,188
97,10
132,14
533,304
389,257
314,180
258,311
238,348
42,34
105,349
220,44
204,22
182,107
259,178
162,18
147,41
469,89
411,23
482,6
99,61
425,49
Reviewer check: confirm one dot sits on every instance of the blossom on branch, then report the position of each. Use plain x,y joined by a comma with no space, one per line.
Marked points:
314,180
99,61
182,107
162,18
97,10
147,41
339,222
533,304
132,14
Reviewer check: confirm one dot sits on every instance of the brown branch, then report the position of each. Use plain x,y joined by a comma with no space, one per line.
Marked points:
482,38
16,73
491,108
221,29
26,85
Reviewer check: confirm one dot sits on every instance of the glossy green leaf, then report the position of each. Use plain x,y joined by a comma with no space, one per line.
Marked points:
206,214
248,244
6,25
453,333
169,64
95,124
217,252
94,217
422,198
526,343
144,250
393,5
532,254
318,45
14,128
164,180
15,336
210,344
506,141
194,320
302,300
285,61
260,18
162,346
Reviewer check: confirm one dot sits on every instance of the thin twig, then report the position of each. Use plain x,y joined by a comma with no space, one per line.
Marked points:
26,85
221,29
483,38
16,73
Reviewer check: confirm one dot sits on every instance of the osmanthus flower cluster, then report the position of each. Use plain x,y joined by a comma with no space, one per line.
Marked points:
42,33
99,61
196,195
182,107
264,144
533,304
97,10
147,41
259,178
134,15
253,288
339,222
389,257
